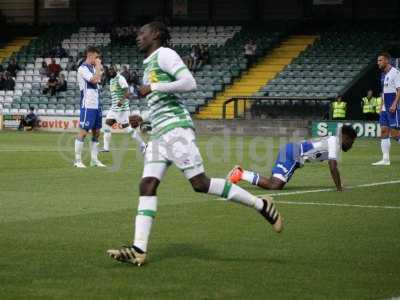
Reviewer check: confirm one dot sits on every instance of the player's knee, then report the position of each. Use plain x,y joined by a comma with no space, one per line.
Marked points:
148,186
110,122
201,184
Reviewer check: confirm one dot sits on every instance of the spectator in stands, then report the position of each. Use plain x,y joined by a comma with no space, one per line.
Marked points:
134,83
194,58
9,83
134,78
71,64
13,67
339,108
51,85
1,68
105,79
54,68
125,73
368,106
30,121
44,70
205,54
61,84
59,51
250,52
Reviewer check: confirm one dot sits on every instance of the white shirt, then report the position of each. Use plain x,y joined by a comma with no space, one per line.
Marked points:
326,148
391,82
89,91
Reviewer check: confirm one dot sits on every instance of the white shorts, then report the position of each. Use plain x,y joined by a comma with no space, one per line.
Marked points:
122,117
177,147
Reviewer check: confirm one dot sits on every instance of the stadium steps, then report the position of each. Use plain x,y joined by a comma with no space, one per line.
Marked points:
257,76
14,46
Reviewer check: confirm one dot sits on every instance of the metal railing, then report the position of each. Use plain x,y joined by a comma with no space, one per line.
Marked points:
244,100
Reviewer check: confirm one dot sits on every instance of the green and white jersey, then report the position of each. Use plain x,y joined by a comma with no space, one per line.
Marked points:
118,87
166,111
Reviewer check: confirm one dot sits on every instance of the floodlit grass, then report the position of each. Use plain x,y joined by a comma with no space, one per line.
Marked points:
56,223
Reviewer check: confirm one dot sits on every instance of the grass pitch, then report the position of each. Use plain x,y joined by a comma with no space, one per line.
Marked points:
56,223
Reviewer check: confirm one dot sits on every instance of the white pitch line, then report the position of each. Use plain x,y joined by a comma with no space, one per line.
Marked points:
55,150
337,204
331,189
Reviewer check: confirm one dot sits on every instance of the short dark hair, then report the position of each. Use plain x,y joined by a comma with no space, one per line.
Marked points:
31,108
165,37
92,49
349,131
385,55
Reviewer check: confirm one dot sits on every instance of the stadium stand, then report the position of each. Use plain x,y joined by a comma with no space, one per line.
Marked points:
324,70
306,66
224,65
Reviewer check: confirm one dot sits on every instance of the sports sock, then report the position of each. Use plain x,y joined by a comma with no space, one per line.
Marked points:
146,212
107,137
229,191
385,146
251,177
79,142
94,149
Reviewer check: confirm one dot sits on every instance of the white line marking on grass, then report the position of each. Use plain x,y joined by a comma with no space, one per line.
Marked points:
54,150
337,204
331,190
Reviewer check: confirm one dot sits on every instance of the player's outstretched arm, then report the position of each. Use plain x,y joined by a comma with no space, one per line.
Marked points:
335,174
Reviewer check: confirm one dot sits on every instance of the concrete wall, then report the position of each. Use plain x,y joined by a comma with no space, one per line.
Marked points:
299,128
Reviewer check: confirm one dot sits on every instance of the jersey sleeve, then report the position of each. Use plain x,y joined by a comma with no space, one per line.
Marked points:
333,148
170,62
122,82
85,73
397,80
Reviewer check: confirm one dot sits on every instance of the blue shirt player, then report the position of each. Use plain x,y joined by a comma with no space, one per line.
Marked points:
389,118
89,75
294,155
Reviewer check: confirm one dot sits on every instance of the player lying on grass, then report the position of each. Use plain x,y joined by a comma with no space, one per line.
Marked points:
294,155
119,112
173,142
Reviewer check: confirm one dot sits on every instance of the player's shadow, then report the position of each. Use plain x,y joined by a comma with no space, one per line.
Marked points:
197,251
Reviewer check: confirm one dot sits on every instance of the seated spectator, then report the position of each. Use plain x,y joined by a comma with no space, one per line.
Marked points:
71,64
2,81
61,84
59,51
135,79
54,68
105,78
194,58
125,73
250,52
205,54
9,83
44,70
51,85
30,121
13,67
